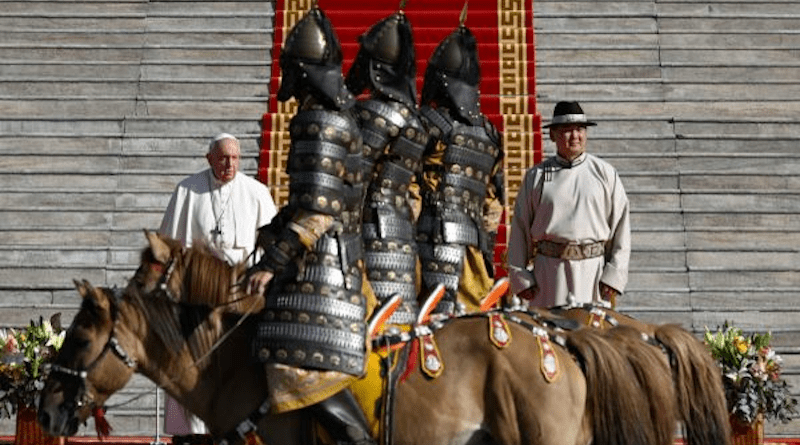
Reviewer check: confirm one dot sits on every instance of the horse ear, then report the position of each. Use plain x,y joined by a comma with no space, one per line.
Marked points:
84,287
159,248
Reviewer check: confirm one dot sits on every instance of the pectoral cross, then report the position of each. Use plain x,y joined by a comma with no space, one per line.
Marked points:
216,231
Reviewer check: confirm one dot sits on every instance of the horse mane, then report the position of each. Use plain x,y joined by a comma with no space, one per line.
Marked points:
205,278
204,288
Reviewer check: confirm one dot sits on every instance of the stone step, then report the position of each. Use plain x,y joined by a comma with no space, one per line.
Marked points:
217,69
169,107
140,127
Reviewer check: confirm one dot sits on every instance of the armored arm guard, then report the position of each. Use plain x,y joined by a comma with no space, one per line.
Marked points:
318,192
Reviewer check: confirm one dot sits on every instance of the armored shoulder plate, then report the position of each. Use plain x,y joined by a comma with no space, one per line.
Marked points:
322,140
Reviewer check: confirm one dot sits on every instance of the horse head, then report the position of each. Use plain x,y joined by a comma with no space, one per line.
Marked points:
93,363
193,275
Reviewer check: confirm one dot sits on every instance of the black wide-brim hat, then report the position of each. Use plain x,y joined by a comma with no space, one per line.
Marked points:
569,113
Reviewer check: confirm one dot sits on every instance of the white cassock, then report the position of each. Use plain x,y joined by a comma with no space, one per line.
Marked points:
226,217
580,202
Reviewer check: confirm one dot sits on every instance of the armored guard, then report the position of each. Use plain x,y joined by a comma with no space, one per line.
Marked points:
393,144
462,187
312,337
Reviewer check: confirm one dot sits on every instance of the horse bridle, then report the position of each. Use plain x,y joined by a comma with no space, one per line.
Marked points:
82,397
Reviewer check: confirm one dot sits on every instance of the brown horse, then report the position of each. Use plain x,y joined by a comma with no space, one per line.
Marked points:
486,394
696,376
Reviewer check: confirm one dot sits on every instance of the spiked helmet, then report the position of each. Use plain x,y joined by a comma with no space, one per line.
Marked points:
311,62
453,75
386,61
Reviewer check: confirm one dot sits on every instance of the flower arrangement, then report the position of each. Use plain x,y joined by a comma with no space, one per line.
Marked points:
22,354
751,375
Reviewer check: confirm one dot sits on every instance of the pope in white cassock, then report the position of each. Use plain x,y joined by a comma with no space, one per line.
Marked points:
570,235
224,208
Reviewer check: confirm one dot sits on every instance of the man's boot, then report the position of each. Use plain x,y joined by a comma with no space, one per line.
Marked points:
342,417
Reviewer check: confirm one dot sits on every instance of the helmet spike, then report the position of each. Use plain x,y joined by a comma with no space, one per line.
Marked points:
462,19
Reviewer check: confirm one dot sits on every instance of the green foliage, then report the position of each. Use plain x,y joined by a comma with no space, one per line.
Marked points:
751,373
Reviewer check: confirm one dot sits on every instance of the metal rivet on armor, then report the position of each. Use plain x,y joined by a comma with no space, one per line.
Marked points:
455,169
307,288
355,327
405,112
330,132
410,133
448,191
352,363
338,324
355,299
322,202
286,316
303,317
380,122
365,115
448,269
325,163
325,290
459,140
468,171
345,137
299,354
408,278
481,146
391,275
336,205
386,183
470,143
263,354
313,129
394,131
317,357
335,360
321,319
433,267
281,354
479,175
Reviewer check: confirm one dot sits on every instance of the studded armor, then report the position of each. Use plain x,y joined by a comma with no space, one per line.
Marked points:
394,142
453,209
315,312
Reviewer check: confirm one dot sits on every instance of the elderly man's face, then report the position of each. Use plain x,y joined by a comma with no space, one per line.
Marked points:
224,159
570,140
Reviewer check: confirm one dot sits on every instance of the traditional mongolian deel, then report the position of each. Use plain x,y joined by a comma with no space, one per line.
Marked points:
394,142
570,259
